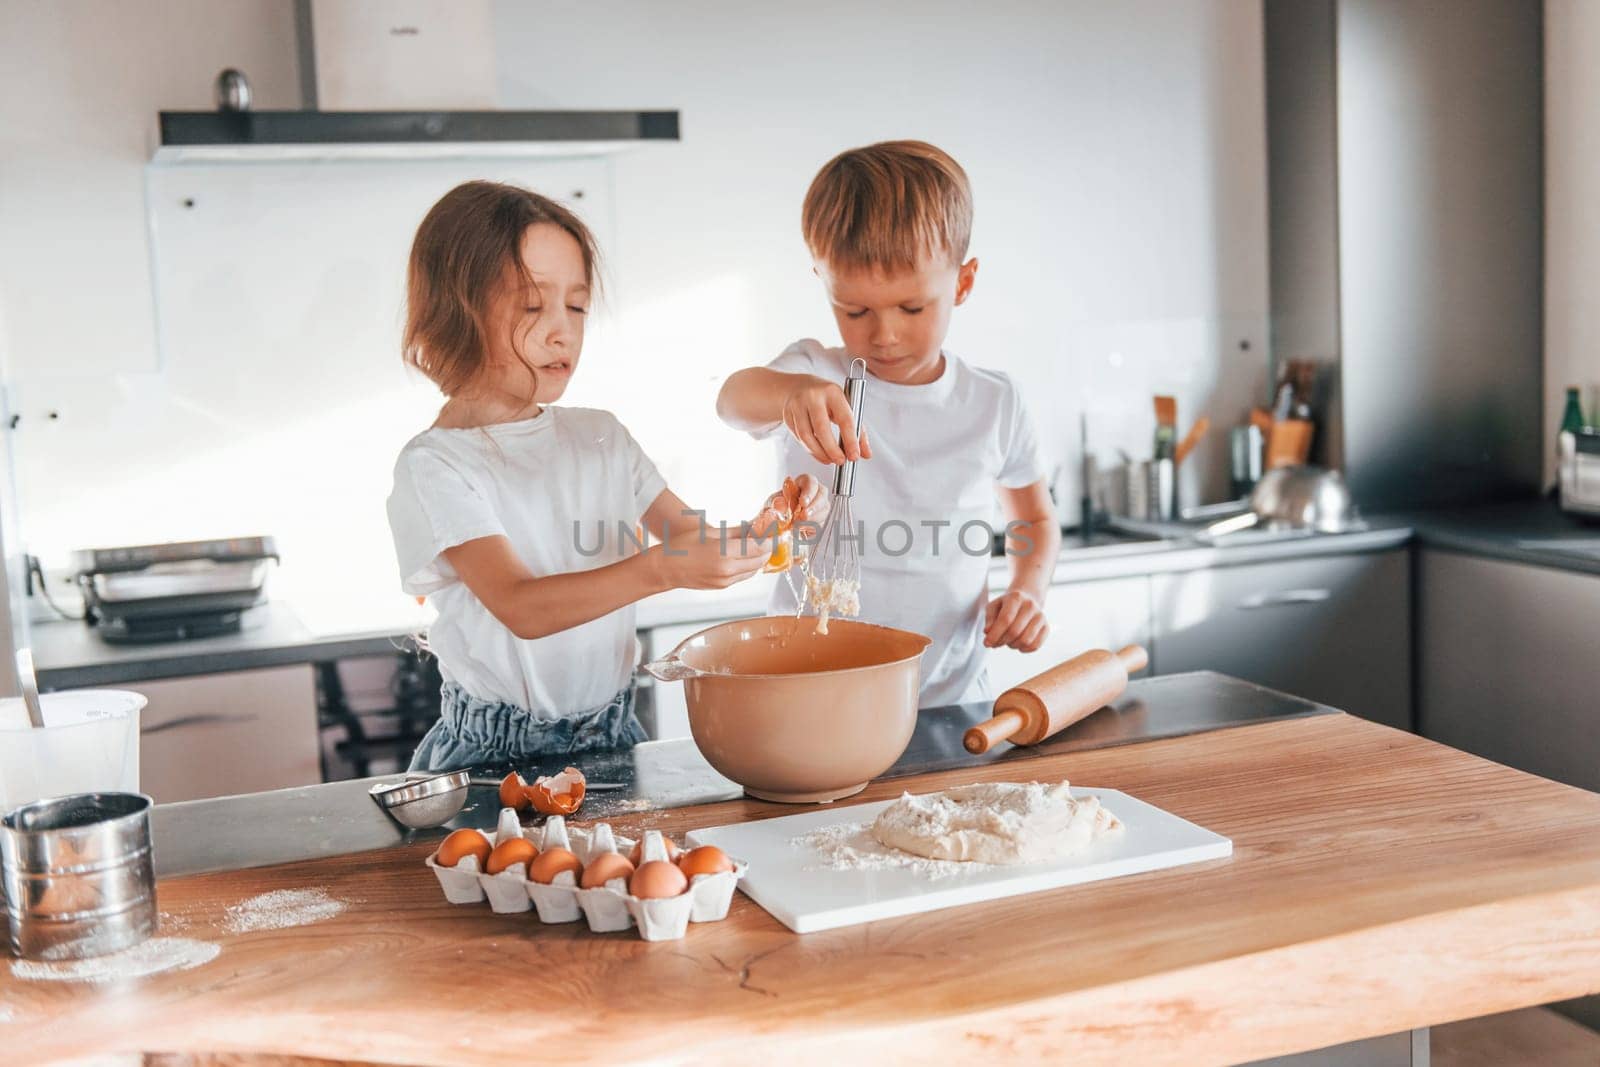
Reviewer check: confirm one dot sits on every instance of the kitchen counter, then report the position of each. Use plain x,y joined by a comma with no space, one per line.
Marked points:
339,818
1379,883
1530,531
69,655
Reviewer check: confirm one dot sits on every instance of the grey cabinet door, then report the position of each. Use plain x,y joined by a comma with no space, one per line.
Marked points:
1334,629
1510,664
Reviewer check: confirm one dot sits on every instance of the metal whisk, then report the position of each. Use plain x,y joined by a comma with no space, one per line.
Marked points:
833,566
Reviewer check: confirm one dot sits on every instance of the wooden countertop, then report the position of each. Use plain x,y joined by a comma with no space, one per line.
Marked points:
1380,882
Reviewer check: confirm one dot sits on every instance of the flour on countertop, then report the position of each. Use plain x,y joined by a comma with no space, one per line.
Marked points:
282,909
150,957
851,847
995,822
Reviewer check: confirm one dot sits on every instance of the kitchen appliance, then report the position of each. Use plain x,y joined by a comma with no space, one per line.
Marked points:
79,880
794,715
1296,498
1579,472
788,879
168,592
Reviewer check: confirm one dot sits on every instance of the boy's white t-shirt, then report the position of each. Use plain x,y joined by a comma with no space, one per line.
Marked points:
530,481
938,452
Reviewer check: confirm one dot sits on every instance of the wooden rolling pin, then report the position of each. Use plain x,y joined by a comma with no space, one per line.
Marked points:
1054,700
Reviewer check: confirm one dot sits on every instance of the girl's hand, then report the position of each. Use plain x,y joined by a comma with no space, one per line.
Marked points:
818,415
1015,620
705,559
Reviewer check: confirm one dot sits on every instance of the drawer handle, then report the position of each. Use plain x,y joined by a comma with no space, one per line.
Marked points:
1286,598
198,719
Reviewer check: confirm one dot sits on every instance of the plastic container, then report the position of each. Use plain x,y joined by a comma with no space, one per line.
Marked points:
89,744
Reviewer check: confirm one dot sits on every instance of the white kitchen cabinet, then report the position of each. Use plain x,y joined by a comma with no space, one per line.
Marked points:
1083,615
216,734
1508,664
1334,629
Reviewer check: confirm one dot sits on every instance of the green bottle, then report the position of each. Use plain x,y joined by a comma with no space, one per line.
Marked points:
1572,418
1571,422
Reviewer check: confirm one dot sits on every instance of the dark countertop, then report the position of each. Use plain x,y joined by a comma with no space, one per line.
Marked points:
1535,532
71,655
338,818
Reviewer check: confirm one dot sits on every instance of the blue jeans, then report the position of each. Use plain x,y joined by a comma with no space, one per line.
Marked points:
472,732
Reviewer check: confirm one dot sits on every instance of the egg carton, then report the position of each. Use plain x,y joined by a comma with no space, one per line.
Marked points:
608,908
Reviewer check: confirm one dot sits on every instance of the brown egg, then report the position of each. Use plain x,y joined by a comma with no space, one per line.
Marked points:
707,859
552,862
513,792
637,855
459,845
657,879
604,867
509,853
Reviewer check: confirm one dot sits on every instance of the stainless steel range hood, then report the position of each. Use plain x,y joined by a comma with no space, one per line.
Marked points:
210,136
405,79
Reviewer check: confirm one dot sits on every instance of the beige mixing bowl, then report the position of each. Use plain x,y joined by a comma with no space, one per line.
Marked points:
797,716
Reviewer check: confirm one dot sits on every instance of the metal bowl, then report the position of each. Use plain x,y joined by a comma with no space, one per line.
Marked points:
423,803
1304,498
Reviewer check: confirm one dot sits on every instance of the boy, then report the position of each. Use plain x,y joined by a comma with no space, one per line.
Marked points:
888,227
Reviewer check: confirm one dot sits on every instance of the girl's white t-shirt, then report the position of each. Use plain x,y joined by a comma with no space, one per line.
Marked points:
567,488
938,453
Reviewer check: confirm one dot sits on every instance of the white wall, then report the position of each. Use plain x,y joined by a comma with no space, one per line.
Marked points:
1571,211
82,81
1116,152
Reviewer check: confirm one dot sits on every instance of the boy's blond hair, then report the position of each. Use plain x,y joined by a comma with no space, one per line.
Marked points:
885,206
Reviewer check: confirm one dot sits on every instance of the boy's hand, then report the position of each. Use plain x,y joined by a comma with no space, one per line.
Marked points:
813,505
818,415
1015,620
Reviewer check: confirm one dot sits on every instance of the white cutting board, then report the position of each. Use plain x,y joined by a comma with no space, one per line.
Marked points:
792,882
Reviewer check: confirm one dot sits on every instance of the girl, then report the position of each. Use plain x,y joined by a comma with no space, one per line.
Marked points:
516,518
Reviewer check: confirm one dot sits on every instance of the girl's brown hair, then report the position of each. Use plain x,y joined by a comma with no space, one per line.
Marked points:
468,246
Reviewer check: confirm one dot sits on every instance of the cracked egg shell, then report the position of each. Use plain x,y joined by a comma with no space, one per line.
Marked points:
513,792
557,794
